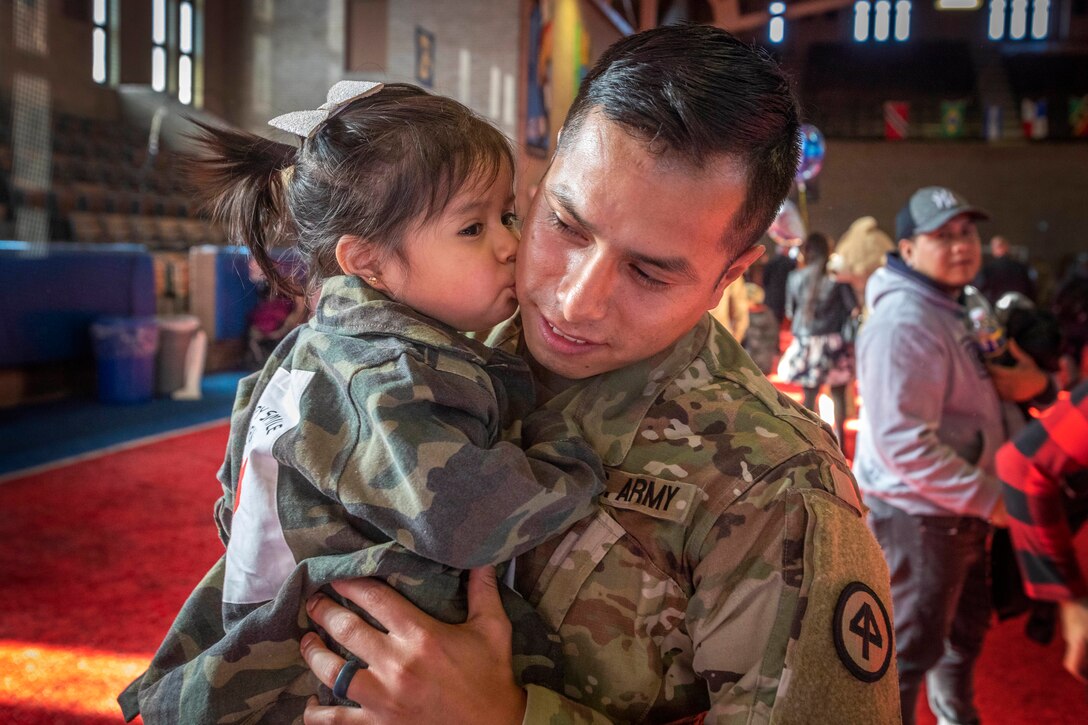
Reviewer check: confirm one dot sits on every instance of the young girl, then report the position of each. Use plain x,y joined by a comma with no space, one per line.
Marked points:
377,440
818,307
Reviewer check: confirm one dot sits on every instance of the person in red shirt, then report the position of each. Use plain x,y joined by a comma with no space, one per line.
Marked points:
1037,467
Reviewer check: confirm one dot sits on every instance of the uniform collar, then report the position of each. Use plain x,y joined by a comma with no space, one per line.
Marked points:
348,306
610,408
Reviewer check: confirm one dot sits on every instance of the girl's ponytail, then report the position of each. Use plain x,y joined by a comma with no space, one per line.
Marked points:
816,250
241,178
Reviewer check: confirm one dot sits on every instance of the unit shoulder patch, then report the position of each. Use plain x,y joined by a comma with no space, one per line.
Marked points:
862,631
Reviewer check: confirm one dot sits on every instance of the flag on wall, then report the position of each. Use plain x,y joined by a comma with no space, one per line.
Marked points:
896,120
1078,116
953,114
994,123
1033,117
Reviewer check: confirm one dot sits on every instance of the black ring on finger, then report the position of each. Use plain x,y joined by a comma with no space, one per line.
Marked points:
343,680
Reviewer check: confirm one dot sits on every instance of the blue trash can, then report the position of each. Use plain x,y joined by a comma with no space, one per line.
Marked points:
124,348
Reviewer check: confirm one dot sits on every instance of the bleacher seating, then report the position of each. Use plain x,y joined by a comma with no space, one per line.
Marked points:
845,86
122,224
106,188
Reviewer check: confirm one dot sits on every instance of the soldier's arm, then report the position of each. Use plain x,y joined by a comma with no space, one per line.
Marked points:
789,618
425,468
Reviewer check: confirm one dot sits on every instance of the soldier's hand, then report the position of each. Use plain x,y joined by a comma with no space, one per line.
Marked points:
423,670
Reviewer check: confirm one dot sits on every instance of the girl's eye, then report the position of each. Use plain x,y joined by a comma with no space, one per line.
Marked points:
647,280
472,230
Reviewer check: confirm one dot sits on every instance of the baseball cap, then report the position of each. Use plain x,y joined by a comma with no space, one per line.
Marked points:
930,208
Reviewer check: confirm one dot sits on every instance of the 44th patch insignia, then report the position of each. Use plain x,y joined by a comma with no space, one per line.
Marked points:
862,631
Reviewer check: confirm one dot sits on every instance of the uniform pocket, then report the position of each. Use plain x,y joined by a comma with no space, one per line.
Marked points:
571,564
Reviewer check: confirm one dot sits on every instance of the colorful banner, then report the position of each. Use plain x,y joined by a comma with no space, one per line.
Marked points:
896,120
538,91
1033,117
1078,116
953,115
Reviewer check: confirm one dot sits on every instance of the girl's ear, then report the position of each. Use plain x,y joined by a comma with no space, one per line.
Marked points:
358,258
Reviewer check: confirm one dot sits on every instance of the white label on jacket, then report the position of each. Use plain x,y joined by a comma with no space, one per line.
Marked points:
258,558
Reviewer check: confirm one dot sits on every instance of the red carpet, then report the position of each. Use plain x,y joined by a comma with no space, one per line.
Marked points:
97,558
99,555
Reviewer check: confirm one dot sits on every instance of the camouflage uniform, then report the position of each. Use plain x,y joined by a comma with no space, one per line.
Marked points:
370,444
730,570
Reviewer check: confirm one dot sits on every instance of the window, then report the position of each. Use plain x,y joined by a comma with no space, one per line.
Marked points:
902,20
861,20
776,29
1019,19
175,44
881,20
100,42
1040,19
185,51
997,19
158,45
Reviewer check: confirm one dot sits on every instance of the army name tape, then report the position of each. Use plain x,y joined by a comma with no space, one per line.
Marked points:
662,499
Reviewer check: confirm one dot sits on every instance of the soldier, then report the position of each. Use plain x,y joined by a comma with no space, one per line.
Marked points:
372,441
729,574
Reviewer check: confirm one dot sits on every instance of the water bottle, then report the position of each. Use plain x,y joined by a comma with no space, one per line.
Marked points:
988,331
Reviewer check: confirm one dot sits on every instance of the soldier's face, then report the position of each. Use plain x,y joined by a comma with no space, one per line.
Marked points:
460,265
621,253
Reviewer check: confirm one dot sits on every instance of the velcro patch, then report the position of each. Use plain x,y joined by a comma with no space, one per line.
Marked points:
862,631
660,498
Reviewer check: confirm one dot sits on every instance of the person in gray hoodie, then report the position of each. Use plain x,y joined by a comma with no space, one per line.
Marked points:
930,425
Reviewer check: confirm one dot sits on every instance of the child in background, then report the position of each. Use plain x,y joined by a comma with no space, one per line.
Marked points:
271,318
819,308
761,342
377,440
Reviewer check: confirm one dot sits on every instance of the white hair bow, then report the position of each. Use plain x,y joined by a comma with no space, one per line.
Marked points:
306,123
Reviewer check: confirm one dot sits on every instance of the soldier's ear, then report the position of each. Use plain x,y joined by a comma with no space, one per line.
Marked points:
739,266
356,257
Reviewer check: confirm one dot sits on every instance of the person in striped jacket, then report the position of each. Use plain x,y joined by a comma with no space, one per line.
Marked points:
1040,467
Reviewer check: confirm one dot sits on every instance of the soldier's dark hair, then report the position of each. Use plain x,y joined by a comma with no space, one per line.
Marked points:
697,94
385,163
